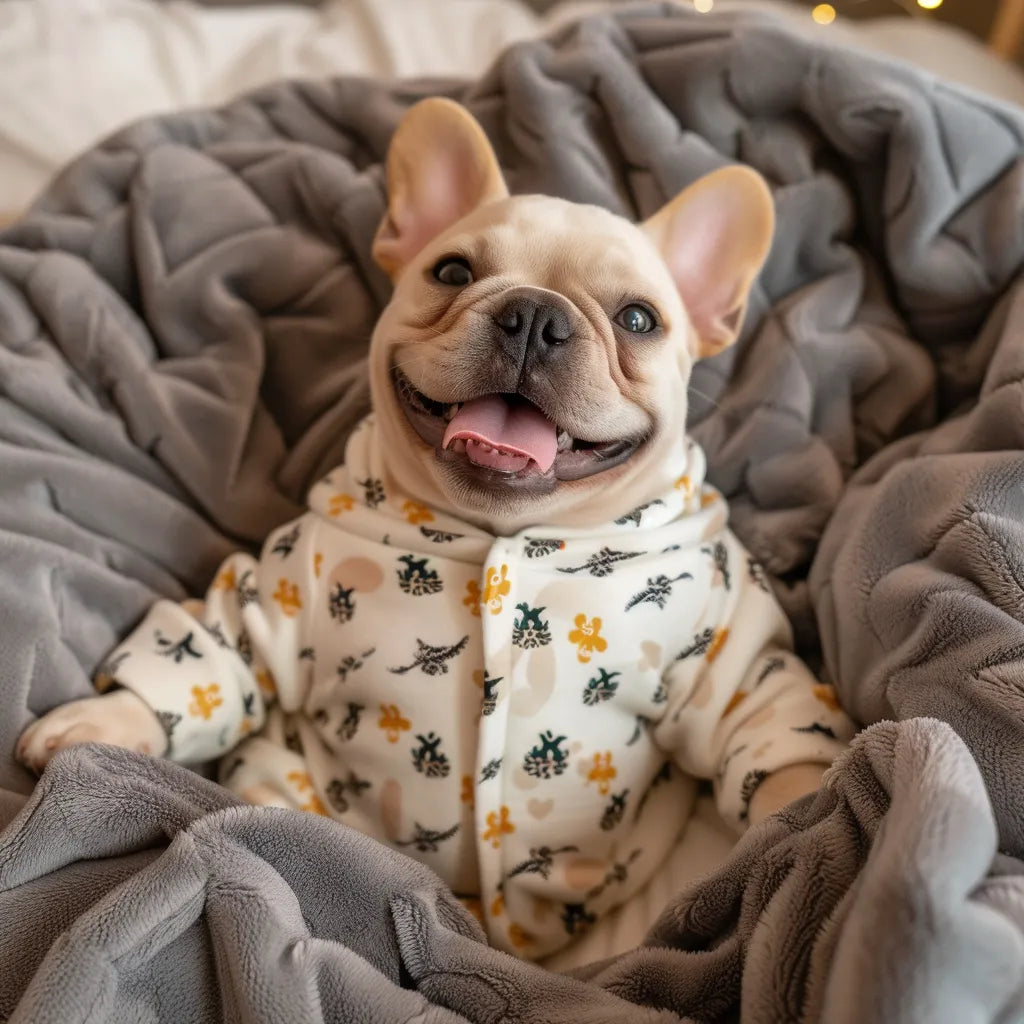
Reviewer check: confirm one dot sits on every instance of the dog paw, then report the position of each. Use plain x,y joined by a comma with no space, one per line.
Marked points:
119,718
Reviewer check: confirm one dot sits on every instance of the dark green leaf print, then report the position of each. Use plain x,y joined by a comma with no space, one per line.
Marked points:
576,918
751,781
340,605
540,862
636,515
699,647
490,701
427,840
816,727
530,629
285,544
757,575
601,688
719,555
538,547
417,578
216,631
177,650
439,536
246,593
428,759
770,667
350,723
547,759
614,811
431,660
657,591
616,875
339,791
244,647
603,562
353,663
373,491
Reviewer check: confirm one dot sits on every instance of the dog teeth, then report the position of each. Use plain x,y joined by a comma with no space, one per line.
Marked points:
449,413
564,441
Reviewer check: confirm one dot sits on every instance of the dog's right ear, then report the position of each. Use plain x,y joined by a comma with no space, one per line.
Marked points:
440,167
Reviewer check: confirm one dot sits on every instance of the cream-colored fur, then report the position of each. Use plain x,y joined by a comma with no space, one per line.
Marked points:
692,264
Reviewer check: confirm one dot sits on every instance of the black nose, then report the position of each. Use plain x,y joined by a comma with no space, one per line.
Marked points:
528,322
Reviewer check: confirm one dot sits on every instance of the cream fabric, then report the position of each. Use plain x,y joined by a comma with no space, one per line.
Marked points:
525,714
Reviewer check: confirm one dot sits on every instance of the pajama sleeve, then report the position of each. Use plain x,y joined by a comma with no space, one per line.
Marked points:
740,704
209,668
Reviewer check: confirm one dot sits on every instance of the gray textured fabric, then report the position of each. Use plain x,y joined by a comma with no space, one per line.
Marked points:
183,319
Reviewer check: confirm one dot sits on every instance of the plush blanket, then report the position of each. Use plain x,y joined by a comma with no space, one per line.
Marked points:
183,320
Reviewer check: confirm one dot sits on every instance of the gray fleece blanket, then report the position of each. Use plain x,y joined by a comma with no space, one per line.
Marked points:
183,320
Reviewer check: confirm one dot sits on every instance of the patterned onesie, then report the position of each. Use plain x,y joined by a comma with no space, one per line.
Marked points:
523,714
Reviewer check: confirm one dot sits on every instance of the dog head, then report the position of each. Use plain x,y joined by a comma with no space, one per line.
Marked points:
532,365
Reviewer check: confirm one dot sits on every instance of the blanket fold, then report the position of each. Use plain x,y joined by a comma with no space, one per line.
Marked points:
183,323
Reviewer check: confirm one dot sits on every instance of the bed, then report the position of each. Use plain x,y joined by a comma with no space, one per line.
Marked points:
71,71
156,349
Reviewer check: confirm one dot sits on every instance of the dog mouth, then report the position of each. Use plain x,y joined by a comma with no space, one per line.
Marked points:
506,437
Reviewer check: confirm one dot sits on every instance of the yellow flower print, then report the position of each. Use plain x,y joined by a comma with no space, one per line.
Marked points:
245,727
318,561
266,682
300,780
472,598
518,936
707,498
498,586
716,645
287,596
392,722
304,784
474,906
416,513
685,484
497,826
827,696
206,699
734,702
587,637
498,906
225,580
315,805
603,772
467,790
340,503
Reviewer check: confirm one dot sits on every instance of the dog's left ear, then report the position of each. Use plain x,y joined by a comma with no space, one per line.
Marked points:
440,167
715,236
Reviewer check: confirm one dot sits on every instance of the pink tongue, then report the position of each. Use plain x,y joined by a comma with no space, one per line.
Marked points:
514,433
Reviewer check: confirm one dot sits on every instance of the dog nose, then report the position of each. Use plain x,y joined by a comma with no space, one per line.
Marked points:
528,322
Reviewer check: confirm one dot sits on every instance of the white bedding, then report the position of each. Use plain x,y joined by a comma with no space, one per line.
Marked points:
73,70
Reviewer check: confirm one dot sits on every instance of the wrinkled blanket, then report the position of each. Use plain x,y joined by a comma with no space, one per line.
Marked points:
183,320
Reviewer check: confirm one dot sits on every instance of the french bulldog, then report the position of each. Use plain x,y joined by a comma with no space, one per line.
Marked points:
513,627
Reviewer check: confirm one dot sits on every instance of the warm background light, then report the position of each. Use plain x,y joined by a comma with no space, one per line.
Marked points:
929,5
825,14
704,6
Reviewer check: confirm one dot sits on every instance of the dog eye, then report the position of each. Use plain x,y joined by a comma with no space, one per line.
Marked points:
636,320
454,271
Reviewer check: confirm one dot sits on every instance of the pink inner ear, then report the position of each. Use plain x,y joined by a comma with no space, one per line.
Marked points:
702,261
432,203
